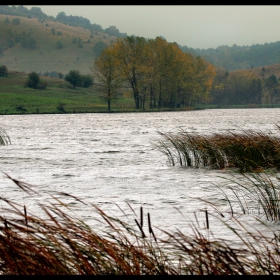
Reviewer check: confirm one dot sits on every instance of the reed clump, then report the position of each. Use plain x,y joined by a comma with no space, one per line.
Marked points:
246,150
62,244
4,137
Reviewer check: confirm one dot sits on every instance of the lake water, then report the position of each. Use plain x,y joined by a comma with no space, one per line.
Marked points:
108,159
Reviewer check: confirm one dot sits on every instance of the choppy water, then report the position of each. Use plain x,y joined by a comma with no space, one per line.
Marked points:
106,159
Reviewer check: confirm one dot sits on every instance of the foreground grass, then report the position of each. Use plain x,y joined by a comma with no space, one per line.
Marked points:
63,244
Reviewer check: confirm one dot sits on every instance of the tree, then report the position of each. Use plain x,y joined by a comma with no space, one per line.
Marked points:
28,43
106,69
3,71
271,87
34,81
16,21
74,78
99,47
59,45
60,75
87,81
130,54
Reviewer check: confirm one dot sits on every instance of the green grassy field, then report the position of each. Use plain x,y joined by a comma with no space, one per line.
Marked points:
17,99
60,97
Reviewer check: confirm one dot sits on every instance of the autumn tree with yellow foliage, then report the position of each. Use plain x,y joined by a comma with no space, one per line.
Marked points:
157,71
106,70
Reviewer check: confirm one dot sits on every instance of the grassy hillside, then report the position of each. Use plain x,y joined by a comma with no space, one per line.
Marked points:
268,71
46,56
58,97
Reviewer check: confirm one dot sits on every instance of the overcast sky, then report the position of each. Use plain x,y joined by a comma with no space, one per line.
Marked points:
193,26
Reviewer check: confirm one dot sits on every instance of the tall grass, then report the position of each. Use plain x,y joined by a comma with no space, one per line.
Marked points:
63,244
4,137
255,192
246,150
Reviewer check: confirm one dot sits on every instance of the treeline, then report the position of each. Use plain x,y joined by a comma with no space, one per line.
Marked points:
240,57
77,21
244,88
24,12
84,22
159,73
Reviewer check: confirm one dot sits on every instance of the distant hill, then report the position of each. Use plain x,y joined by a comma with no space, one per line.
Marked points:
44,45
240,57
266,71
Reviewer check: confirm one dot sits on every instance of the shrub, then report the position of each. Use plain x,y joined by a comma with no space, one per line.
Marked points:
34,81
3,71
74,78
28,43
87,81
41,85
59,45
16,21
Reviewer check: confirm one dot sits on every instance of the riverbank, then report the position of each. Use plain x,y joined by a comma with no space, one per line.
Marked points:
59,97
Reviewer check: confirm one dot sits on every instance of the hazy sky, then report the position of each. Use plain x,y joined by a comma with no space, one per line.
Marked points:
193,26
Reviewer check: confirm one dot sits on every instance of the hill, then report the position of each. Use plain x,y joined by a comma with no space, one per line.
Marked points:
266,71
32,45
240,57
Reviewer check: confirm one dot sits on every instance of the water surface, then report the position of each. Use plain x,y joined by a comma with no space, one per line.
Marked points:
106,159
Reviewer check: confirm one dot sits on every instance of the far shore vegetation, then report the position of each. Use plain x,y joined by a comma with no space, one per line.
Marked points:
59,96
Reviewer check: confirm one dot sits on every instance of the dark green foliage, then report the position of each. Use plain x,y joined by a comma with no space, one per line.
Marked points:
99,47
21,108
240,57
59,45
3,71
24,12
34,81
61,108
16,21
60,75
28,43
74,78
10,42
7,20
87,81
112,30
37,12
78,21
